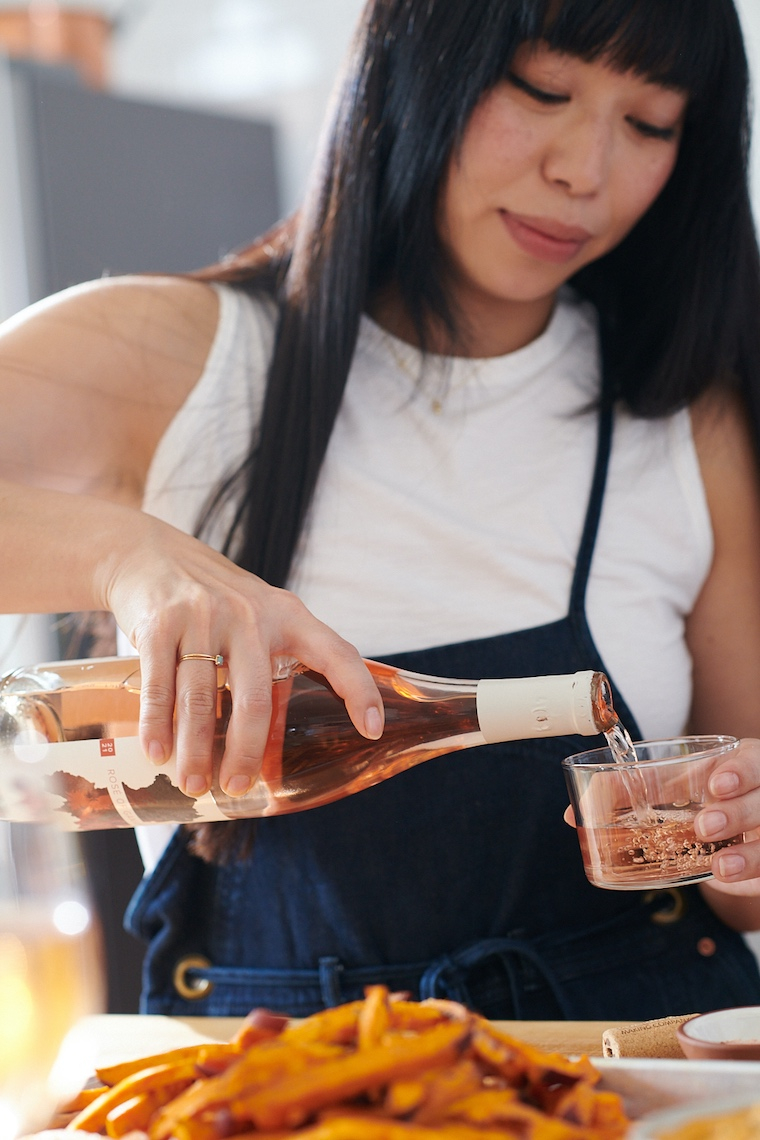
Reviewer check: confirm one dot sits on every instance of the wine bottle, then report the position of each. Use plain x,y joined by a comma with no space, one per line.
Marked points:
76,723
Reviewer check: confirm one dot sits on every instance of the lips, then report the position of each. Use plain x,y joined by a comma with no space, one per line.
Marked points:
545,238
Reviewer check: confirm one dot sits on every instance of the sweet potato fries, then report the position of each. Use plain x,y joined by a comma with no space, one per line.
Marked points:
380,1069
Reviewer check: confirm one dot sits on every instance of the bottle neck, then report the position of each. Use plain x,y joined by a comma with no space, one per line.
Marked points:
523,708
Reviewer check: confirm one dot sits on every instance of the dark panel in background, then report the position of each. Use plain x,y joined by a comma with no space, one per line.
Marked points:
98,184
121,186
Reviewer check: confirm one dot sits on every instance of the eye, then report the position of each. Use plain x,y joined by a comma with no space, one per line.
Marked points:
548,98
650,131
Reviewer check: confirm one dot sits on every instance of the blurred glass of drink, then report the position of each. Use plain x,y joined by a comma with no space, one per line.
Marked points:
50,971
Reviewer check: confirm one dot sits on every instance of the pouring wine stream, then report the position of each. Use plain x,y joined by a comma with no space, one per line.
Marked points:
624,752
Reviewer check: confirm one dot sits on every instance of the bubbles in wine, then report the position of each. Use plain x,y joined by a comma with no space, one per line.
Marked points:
635,856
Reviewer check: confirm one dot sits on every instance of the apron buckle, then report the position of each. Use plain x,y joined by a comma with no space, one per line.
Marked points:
192,988
667,914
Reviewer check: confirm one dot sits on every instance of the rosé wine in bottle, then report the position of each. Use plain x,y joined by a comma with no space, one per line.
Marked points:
77,722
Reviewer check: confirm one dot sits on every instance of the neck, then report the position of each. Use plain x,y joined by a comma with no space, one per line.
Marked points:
485,328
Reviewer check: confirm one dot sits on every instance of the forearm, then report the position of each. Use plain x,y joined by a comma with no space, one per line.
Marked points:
56,548
739,912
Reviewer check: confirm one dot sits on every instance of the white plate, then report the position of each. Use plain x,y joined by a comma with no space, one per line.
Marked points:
648,1086
657,1124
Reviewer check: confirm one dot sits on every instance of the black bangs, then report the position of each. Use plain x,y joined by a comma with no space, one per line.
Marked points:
679,43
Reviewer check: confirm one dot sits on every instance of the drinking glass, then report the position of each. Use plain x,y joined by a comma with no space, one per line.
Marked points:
635,819
50,969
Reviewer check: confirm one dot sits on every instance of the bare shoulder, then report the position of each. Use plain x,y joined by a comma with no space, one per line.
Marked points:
719,420
93,375
726,450
174,317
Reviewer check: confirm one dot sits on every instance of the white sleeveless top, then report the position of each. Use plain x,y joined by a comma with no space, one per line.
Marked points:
452,508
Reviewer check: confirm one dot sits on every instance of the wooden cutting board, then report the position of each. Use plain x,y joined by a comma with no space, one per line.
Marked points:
117,1037
553,1036
560,1036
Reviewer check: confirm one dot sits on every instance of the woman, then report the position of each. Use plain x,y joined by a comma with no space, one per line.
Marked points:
403,416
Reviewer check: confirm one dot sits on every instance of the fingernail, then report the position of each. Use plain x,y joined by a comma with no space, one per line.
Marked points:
156,752
710,823
196,785
724,783
237,785
373,723
729,865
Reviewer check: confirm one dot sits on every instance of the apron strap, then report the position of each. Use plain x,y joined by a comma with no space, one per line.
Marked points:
594,508
330,984
445,977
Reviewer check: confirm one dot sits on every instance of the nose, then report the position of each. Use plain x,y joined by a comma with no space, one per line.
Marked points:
578,157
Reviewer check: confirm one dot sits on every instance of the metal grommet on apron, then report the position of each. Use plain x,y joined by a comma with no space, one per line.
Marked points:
669,914
192,989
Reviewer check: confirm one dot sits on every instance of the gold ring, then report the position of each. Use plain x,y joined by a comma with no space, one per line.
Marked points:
215,658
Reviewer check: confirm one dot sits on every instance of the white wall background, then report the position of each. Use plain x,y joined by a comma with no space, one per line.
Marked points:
749,11
276,58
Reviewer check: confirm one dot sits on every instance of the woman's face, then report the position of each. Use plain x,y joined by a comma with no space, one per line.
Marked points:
557,164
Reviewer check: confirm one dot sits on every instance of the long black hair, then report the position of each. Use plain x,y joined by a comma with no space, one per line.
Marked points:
678,300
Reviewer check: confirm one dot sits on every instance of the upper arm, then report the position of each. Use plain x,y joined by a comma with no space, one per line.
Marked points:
90,379
723,630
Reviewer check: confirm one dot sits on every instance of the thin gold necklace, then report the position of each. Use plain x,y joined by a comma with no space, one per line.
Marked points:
417,375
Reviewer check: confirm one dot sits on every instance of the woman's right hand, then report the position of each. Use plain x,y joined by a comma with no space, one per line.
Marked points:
173,595
89,382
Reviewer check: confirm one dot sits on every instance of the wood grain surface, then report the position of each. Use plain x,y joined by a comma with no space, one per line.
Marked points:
121,1036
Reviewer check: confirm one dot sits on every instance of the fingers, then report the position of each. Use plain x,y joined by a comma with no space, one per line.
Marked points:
738,774
201,603
734,810
324,651
739,866
289,630
250,632
196,722
250,682
157,699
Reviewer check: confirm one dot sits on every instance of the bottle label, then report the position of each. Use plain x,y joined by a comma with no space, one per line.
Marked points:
91,784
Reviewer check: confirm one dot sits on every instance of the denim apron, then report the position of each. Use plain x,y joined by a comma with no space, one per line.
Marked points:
458,878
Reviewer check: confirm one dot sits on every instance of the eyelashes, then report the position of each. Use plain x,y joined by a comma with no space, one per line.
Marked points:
550,99
650,131
545,97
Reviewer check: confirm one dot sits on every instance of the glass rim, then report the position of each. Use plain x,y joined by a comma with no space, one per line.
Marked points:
594,757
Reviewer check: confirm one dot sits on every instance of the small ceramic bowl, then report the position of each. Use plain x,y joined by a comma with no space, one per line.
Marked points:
727,1034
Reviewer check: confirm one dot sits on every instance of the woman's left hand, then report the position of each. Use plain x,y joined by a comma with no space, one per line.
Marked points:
734,809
